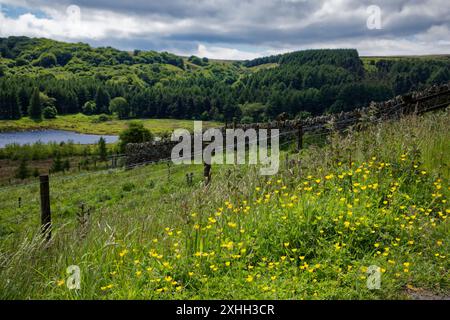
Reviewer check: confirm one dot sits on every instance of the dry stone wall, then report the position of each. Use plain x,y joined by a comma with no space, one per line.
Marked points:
415,102
137,153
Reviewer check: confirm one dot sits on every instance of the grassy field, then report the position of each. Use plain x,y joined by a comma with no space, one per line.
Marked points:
89,124
371,68
264,67
371,198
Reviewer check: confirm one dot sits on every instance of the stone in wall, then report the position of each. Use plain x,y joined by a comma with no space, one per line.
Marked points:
414,102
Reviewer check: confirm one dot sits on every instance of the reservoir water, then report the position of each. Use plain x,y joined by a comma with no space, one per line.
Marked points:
46,136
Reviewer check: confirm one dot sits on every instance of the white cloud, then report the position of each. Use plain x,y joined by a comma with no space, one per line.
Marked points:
221,28
222,53
91,24
388,47
435,33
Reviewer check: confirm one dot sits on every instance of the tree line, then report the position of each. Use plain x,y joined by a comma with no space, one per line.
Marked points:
161,85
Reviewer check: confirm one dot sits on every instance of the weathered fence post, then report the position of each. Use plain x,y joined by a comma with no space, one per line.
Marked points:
207,173
115,160
46,218
416,108
299,138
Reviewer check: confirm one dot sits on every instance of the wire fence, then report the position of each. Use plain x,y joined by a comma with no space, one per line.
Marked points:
58,180
75,187
312,131
32,198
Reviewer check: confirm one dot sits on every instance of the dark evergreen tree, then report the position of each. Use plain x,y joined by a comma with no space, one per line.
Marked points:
14,104
102,100
66,165
24,100
22,172
102,151
35,109
57,165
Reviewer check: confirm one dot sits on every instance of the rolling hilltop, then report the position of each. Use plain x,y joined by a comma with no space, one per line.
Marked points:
74,78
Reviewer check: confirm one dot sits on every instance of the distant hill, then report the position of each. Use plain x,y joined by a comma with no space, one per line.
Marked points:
75,77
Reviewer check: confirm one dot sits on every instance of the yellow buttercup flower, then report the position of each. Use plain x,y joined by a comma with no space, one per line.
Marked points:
232,224
106,287
123,252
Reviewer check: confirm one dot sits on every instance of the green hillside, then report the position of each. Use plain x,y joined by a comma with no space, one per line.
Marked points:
74,77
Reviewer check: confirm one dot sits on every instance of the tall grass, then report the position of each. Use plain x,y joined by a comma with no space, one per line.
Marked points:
371,197
42,151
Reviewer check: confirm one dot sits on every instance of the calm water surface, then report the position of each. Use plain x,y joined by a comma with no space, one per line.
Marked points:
46,136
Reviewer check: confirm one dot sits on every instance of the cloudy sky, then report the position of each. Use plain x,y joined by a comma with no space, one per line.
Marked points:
237,29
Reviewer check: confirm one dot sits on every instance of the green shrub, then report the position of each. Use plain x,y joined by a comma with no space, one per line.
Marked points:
102,118
89,107
120,106
135,133
49,112
47,60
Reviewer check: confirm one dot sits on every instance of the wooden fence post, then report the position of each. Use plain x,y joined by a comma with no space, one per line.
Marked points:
207,173
300,138
115,160
416,108
46,218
